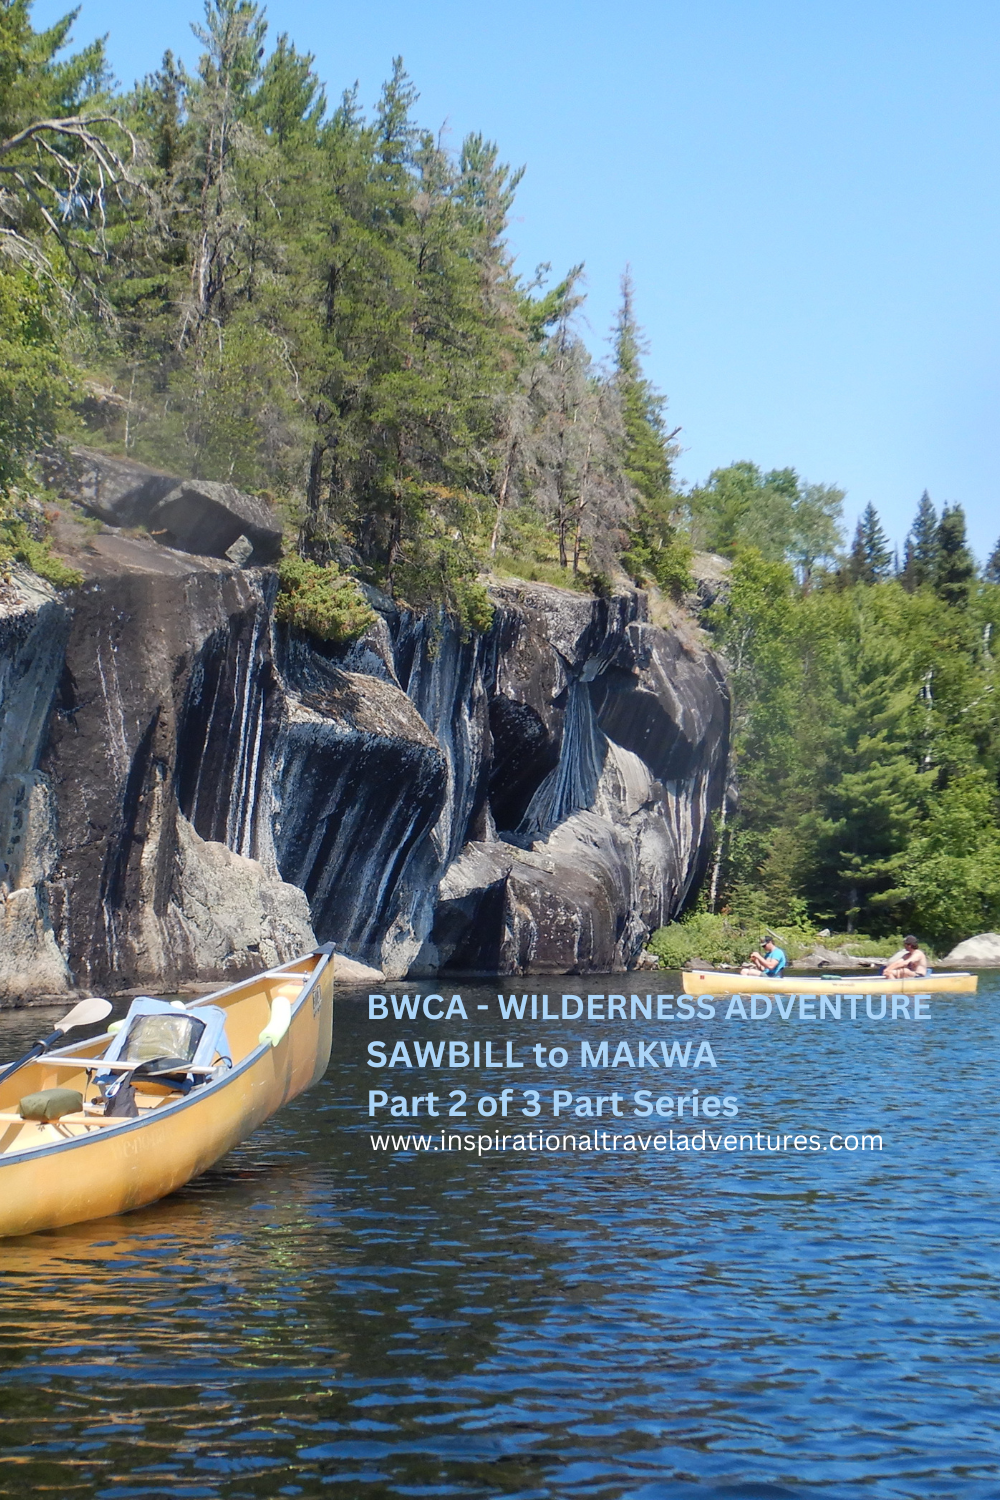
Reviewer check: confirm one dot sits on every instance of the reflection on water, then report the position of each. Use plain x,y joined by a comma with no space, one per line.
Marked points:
311,1318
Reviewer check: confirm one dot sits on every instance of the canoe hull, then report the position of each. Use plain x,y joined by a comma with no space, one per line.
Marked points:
113,1169
698,982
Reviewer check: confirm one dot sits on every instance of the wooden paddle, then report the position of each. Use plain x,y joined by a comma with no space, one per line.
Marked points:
84,1013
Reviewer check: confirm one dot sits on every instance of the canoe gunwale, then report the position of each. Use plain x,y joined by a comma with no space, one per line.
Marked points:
715,982
203,1092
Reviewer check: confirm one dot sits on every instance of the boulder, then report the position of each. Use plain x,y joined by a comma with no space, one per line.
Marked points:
979,952
350,971
710,573
647,961
227,916
832,958
191,515
204,516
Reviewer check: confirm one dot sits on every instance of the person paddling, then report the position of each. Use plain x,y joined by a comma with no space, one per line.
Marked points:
909,963
771,962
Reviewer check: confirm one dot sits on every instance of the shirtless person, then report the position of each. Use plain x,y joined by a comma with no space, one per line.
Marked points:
909,963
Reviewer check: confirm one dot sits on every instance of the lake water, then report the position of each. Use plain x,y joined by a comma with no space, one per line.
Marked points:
315,1317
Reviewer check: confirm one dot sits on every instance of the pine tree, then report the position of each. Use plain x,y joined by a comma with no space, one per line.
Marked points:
569,442
648,452
991,572
921,554
869,789
870,559
955,568
230,68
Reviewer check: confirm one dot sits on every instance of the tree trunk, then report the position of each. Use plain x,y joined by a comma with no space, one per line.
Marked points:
713,890
394,539
501,501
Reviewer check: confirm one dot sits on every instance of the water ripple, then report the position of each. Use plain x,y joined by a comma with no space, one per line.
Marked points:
311,1315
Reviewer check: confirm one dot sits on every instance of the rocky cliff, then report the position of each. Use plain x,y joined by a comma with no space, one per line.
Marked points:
188,792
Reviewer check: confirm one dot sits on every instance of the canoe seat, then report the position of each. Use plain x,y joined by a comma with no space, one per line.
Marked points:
155,1031
50,1104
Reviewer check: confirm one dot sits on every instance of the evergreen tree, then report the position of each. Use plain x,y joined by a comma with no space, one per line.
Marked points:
921,553
577,438
648,451
870,560
61,161
63,155
955,568
991,572
949,874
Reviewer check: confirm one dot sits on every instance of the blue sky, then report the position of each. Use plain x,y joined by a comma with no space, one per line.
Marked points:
806,191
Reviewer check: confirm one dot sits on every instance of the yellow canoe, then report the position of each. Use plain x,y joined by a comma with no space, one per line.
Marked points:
86,1166
711,982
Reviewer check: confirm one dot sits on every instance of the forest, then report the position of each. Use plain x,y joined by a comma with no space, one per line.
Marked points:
223,273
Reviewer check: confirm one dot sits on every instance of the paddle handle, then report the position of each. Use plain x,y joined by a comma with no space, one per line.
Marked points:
36,1051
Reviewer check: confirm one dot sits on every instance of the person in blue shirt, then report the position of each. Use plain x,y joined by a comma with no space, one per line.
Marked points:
771,962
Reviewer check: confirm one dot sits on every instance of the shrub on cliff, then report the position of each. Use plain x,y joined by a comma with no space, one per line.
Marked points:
34,378
322,600
23,539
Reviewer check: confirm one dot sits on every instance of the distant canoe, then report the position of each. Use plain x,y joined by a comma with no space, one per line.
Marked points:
85,1165
711,982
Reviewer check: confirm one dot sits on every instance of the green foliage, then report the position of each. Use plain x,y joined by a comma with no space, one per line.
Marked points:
776,513
949,875
729,938
921,553
35,383
439,571
323,305
870,560
656,551
954,568
883,947
37,80
322,600
23,539
532,570
720,939
864,722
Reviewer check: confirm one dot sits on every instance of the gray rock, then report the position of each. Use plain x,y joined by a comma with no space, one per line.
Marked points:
34,627
711,578
241,551
179,778
349,971
647,961
980,952
227,912
192,515
833,958
204,516
605,755
119,491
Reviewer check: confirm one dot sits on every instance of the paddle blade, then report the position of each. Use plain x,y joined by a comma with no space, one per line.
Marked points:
85,1013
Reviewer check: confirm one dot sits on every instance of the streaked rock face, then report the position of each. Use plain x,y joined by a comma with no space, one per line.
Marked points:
187,793
604,761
